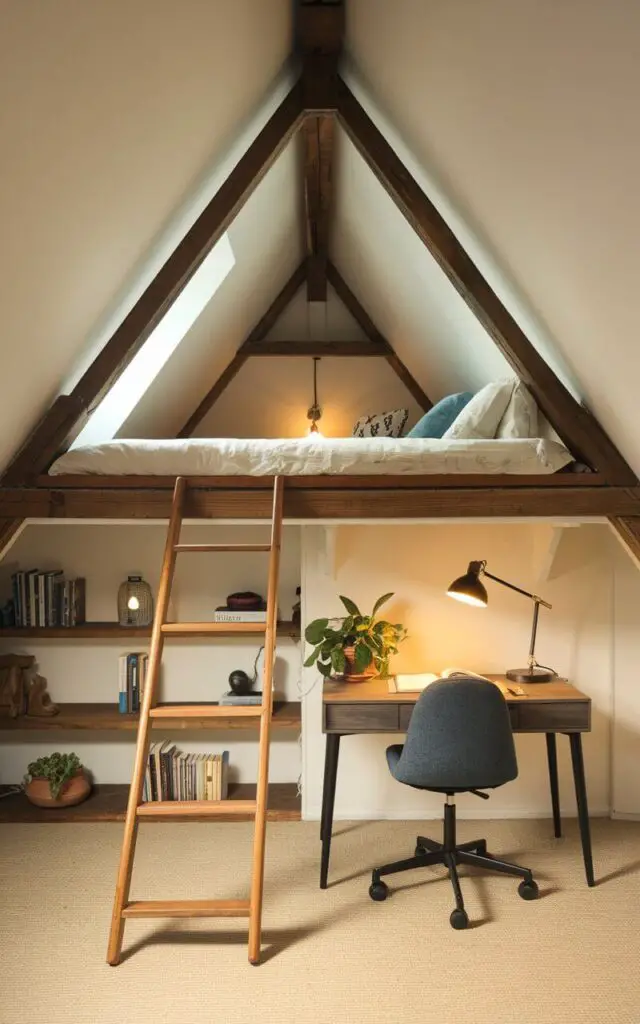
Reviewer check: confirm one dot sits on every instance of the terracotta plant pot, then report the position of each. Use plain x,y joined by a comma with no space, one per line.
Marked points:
350,675
74,791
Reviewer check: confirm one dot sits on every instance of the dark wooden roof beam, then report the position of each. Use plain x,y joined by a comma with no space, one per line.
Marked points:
581,433
319,38
50,437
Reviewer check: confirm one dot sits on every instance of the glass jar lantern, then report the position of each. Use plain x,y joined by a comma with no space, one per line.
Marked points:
135,602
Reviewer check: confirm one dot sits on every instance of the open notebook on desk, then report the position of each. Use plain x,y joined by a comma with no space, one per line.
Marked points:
414,682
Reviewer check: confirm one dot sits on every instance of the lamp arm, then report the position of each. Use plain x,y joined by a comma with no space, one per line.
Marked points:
511,586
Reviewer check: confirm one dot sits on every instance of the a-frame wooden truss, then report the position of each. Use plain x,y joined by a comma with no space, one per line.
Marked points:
320,95
255,345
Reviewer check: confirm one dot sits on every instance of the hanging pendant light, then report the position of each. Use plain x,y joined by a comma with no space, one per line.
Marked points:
314,412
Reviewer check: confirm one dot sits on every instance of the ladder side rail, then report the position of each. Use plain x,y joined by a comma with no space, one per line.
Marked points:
125,869
257,874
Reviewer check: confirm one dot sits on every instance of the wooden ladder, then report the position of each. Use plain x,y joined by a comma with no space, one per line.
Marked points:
123,907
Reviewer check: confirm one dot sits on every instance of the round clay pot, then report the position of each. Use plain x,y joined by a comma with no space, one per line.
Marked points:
74,791
350,675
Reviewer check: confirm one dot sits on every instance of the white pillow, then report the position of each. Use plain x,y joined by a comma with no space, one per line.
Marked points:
480,418
521,415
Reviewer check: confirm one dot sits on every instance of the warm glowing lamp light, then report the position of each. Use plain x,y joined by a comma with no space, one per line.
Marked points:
133,603
314,412
470,590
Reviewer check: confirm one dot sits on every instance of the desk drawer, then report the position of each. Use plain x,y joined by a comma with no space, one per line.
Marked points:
406,710
361,717
572,716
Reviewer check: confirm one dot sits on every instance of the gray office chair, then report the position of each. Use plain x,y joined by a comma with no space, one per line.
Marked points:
459,741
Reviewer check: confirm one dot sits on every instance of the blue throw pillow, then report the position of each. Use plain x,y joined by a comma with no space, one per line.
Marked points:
438,420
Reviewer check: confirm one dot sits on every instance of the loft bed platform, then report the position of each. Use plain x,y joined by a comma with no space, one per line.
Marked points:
354,496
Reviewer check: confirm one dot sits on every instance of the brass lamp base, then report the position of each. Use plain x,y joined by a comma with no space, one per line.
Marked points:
535,674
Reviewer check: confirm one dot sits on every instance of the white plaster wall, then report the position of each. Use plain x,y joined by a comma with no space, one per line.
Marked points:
87,670
625,800
417,563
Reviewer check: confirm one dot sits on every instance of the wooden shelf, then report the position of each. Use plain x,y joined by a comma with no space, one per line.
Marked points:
286,715
113,631
108,803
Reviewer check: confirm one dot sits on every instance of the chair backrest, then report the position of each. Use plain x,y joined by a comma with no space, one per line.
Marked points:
459,737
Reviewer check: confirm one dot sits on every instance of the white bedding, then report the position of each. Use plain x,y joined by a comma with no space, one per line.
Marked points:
304,457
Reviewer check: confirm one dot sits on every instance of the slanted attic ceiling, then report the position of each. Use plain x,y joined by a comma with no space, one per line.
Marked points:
519,113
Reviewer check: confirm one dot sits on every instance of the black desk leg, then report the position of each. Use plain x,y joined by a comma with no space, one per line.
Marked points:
575,740
328,800
552,758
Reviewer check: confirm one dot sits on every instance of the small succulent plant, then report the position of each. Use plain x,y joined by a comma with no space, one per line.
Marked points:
57,768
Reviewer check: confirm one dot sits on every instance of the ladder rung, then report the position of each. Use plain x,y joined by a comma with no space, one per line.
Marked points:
187,908
195,808
221,547
207,711
207,628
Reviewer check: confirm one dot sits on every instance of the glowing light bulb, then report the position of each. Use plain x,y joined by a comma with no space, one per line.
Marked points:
133,603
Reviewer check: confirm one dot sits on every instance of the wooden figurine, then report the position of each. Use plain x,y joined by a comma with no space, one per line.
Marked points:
22,693
39,703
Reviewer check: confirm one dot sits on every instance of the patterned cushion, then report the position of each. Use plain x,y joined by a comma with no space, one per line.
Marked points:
437,420
382,424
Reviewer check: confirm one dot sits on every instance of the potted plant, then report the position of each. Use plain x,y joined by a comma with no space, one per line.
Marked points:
57,780
355,647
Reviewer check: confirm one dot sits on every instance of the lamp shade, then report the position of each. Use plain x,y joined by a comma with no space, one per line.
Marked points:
468,588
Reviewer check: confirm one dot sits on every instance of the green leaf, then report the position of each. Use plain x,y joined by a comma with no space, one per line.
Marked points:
325,670
379,603
351,607
314,632
312,657
361,657
338,660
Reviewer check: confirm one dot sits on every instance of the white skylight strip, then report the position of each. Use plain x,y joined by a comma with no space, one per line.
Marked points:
138,376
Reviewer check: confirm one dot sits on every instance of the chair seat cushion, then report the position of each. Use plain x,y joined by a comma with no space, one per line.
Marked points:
393,756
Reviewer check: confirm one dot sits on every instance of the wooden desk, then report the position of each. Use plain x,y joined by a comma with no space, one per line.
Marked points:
549,708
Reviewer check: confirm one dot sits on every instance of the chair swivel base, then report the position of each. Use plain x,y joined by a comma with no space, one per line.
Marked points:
450,854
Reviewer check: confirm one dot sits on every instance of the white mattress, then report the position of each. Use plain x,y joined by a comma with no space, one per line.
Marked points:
303,456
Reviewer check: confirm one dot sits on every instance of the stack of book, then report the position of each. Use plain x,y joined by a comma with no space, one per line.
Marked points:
172,775
223,614
42,599
132,672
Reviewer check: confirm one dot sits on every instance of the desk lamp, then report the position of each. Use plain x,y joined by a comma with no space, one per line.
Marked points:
468,588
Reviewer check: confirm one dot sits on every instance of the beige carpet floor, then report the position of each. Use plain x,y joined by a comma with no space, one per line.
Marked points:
335,956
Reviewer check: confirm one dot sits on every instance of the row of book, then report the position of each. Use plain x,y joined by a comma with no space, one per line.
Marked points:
42,599
172,775
132,674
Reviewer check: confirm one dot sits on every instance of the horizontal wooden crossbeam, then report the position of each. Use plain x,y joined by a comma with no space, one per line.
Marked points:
357,501
314,348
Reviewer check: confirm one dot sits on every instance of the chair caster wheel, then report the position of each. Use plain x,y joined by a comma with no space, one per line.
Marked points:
528,890
420,851
459,919
378,891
